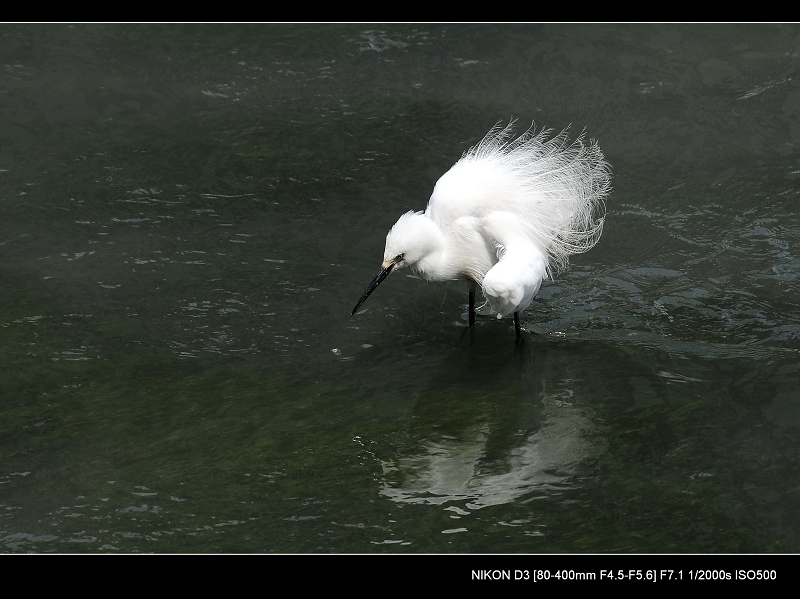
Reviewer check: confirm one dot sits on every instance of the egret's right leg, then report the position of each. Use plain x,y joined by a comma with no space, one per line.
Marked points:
518,329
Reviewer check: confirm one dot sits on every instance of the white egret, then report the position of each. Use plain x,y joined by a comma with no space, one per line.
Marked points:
506,216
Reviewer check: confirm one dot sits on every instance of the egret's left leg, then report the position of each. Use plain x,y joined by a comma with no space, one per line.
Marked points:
471,305
519,340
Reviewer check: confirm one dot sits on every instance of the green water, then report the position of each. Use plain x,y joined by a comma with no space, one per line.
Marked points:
189,213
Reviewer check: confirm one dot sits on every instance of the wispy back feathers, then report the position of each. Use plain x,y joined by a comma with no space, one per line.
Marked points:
554,186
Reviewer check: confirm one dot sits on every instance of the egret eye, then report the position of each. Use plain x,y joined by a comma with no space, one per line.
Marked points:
399,258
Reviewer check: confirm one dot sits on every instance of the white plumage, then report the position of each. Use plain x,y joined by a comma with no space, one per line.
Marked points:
507,215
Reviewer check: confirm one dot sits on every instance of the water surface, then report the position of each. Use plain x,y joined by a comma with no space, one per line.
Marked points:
188,213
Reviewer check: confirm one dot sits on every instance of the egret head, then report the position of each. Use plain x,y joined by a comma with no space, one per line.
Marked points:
412,239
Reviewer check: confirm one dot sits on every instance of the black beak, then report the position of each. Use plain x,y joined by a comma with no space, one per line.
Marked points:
382,274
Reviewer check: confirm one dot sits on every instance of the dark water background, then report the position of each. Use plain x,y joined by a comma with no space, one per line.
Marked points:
188,213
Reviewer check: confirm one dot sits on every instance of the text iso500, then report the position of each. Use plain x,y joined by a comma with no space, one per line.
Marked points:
756,575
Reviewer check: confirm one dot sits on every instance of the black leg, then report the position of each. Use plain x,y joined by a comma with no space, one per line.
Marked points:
472,306
519,340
